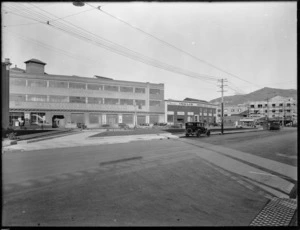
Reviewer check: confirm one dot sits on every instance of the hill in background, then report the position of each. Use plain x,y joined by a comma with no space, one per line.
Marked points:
259,95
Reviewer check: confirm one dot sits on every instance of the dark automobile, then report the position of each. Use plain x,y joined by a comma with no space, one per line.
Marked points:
196,129
123,126
274,126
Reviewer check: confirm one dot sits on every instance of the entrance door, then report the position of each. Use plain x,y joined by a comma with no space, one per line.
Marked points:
57,121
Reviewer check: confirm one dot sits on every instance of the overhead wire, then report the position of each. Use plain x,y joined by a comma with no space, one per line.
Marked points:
141,58
170,45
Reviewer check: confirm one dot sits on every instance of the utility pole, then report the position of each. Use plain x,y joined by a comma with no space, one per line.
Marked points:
222,104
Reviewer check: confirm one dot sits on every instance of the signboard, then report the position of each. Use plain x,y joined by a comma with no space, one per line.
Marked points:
190,113
27,116
170,112
180,113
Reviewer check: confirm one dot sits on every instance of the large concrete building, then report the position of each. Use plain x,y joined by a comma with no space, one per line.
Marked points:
180,112
65,101
280,108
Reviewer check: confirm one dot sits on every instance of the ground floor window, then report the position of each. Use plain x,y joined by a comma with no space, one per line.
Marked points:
127,118
112,119
170,118
141,119
154,119
94,118
37,118
77,118
16,118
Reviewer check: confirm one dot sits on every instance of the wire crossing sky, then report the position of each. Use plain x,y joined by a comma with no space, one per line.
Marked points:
255,41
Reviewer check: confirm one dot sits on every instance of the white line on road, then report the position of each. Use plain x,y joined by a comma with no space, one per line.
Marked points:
267,174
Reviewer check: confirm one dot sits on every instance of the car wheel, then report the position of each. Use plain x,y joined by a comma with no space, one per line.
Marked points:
208,133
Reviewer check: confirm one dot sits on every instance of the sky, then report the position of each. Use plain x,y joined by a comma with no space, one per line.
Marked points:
250,44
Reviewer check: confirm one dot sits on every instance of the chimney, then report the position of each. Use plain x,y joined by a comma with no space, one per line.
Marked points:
35,66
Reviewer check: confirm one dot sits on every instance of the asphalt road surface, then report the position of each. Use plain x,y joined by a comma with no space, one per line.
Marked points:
144,183
276,145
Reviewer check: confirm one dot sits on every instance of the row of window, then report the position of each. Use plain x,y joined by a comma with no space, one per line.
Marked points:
274,111
83,100
77,85
273,105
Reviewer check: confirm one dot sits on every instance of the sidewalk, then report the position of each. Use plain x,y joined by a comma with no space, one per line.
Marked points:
84,137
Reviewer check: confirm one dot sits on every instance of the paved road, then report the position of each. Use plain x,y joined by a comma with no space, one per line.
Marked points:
170,182
276,145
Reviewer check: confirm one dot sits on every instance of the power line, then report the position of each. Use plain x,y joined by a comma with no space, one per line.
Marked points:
168,44
119,49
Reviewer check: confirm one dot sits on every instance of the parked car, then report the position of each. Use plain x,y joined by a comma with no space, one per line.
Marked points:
123,126
274,126
196,129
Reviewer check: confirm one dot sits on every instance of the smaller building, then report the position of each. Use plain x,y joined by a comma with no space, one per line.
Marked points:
189,110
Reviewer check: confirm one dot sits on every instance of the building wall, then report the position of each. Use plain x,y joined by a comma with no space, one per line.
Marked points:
182,112
27,90
277,107
5,95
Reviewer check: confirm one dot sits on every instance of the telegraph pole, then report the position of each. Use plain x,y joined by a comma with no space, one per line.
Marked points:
222,104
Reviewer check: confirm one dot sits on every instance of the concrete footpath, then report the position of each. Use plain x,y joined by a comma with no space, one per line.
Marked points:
79,137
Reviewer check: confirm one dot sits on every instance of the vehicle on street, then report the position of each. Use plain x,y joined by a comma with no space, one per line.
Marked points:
274,125
196,129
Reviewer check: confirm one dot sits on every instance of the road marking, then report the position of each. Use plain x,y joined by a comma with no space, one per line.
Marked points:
283,155
267,174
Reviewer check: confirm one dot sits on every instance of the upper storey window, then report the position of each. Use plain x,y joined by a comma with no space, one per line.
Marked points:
37,98
154,103
126,89
77,85
17,97
58,84
17,82
37,83
111,101
140,90
155,91
95,87
111,88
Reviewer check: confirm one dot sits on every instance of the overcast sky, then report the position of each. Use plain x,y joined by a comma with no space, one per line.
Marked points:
251,44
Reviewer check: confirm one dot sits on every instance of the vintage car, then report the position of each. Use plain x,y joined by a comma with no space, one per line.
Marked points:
196,129
274,125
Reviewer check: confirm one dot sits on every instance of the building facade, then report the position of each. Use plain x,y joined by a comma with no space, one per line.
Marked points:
5,93
280,108
231,113
180,112
64,101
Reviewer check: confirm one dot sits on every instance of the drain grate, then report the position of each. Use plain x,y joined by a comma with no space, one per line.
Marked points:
278,212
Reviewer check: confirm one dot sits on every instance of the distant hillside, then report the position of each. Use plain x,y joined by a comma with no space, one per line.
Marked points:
259,95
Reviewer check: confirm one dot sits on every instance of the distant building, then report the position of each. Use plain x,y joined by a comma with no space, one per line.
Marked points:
180,112
276,108
65,101
232,113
